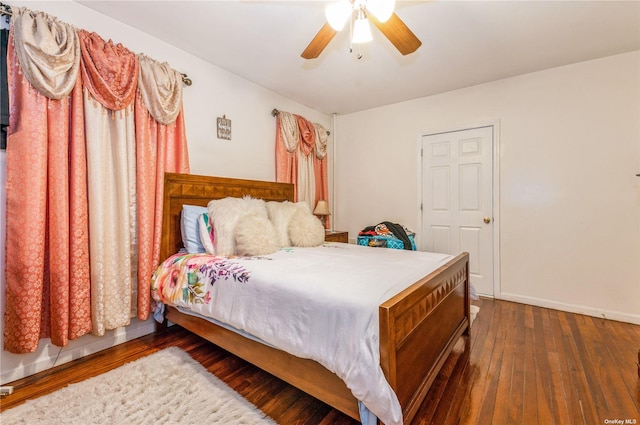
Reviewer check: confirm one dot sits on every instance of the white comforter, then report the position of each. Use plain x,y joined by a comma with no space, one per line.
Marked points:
319,303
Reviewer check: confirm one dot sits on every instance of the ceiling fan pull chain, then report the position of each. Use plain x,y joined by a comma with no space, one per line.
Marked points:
350,35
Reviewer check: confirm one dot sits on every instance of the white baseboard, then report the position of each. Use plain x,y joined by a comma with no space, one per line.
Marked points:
18,366
572,308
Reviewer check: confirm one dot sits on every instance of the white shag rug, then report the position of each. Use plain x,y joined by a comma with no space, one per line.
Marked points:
167,387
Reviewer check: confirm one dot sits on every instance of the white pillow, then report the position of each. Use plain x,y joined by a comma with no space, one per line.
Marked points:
224,213
255,235
305,229
280,214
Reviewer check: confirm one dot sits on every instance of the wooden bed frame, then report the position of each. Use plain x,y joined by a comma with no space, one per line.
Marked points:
418,327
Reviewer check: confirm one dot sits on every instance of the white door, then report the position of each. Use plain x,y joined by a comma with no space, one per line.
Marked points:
457,199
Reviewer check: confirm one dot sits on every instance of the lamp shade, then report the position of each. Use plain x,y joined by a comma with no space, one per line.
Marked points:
361,30
381,9
338,13
322,208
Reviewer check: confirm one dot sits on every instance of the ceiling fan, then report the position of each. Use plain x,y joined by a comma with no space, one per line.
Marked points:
359,13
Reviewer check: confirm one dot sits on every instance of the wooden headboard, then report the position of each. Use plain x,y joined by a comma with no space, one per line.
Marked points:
190,189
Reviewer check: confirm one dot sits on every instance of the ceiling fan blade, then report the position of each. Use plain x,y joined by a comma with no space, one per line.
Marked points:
398,34
319,42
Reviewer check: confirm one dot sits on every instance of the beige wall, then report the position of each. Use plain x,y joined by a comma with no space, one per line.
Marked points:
214,93
569,199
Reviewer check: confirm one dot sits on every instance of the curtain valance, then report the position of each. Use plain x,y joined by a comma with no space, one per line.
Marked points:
109,71
289,131
160,87
48,50
307,135
52,53
298,132
321,141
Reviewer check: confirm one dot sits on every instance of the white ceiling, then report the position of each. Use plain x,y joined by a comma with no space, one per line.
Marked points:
464,43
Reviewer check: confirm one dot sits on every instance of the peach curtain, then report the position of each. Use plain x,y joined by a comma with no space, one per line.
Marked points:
85,166
301,158
306,186
47,248
161,146
287,136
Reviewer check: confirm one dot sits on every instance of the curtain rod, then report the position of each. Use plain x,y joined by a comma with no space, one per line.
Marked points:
186,80
275,112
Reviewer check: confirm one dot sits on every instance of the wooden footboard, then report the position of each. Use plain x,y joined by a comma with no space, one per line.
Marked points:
418,327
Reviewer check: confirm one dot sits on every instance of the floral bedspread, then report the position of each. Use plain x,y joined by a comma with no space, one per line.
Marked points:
185,278
318,303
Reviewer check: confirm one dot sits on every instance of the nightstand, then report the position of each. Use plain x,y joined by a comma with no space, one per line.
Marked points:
336,236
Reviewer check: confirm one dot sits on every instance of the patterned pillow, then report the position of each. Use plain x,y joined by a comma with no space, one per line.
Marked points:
205,228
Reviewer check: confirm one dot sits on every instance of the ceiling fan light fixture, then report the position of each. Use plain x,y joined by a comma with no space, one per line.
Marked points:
356,12
338,13
381,9
361,29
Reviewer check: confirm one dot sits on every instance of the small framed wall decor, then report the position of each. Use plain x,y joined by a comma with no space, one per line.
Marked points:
224,128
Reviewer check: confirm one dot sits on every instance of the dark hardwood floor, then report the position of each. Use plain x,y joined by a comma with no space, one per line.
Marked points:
521,365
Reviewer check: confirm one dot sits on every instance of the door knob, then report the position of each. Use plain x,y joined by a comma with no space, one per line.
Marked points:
487,220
